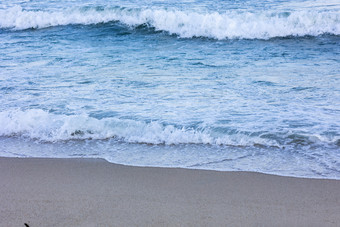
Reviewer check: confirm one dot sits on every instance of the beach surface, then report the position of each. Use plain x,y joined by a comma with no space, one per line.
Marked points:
93,192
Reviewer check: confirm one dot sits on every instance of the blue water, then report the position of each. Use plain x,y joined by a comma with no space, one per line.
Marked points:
223,85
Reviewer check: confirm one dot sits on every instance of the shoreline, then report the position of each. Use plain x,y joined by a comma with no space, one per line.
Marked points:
94,192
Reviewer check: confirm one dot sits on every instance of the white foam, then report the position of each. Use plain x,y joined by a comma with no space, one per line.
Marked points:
186,24
43,126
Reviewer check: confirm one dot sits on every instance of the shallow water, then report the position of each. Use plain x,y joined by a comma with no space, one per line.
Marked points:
223,85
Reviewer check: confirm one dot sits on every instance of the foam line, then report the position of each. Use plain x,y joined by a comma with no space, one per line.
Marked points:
185,24
43,126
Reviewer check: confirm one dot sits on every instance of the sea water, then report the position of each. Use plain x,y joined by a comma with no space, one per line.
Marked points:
208,84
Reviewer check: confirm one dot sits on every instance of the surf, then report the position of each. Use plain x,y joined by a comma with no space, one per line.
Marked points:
231,24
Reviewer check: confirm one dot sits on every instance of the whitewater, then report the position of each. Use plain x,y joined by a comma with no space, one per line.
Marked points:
222,85
186,24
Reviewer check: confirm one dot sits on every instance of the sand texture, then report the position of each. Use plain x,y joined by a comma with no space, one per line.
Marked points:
93,192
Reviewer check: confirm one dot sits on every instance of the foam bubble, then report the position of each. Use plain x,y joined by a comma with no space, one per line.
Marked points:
185,24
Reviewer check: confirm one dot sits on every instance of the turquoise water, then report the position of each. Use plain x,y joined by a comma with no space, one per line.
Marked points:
224,85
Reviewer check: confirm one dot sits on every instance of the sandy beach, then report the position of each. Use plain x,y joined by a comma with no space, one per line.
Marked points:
93,192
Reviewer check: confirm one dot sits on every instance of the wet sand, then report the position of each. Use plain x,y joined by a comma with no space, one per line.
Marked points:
93,192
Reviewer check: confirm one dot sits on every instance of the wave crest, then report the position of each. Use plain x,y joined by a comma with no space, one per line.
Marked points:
48,127
185,24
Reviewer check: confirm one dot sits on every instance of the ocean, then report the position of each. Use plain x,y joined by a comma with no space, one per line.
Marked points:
205,84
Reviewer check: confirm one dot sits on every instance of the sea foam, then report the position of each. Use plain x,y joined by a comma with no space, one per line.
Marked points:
40,125
43,126
186,24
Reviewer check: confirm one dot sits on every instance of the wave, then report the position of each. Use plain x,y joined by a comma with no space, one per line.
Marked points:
231,24
43,126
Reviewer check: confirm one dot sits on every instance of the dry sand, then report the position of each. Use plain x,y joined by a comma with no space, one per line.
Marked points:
93,192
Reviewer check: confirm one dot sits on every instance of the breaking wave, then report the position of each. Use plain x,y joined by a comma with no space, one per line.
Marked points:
185,24
43,126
